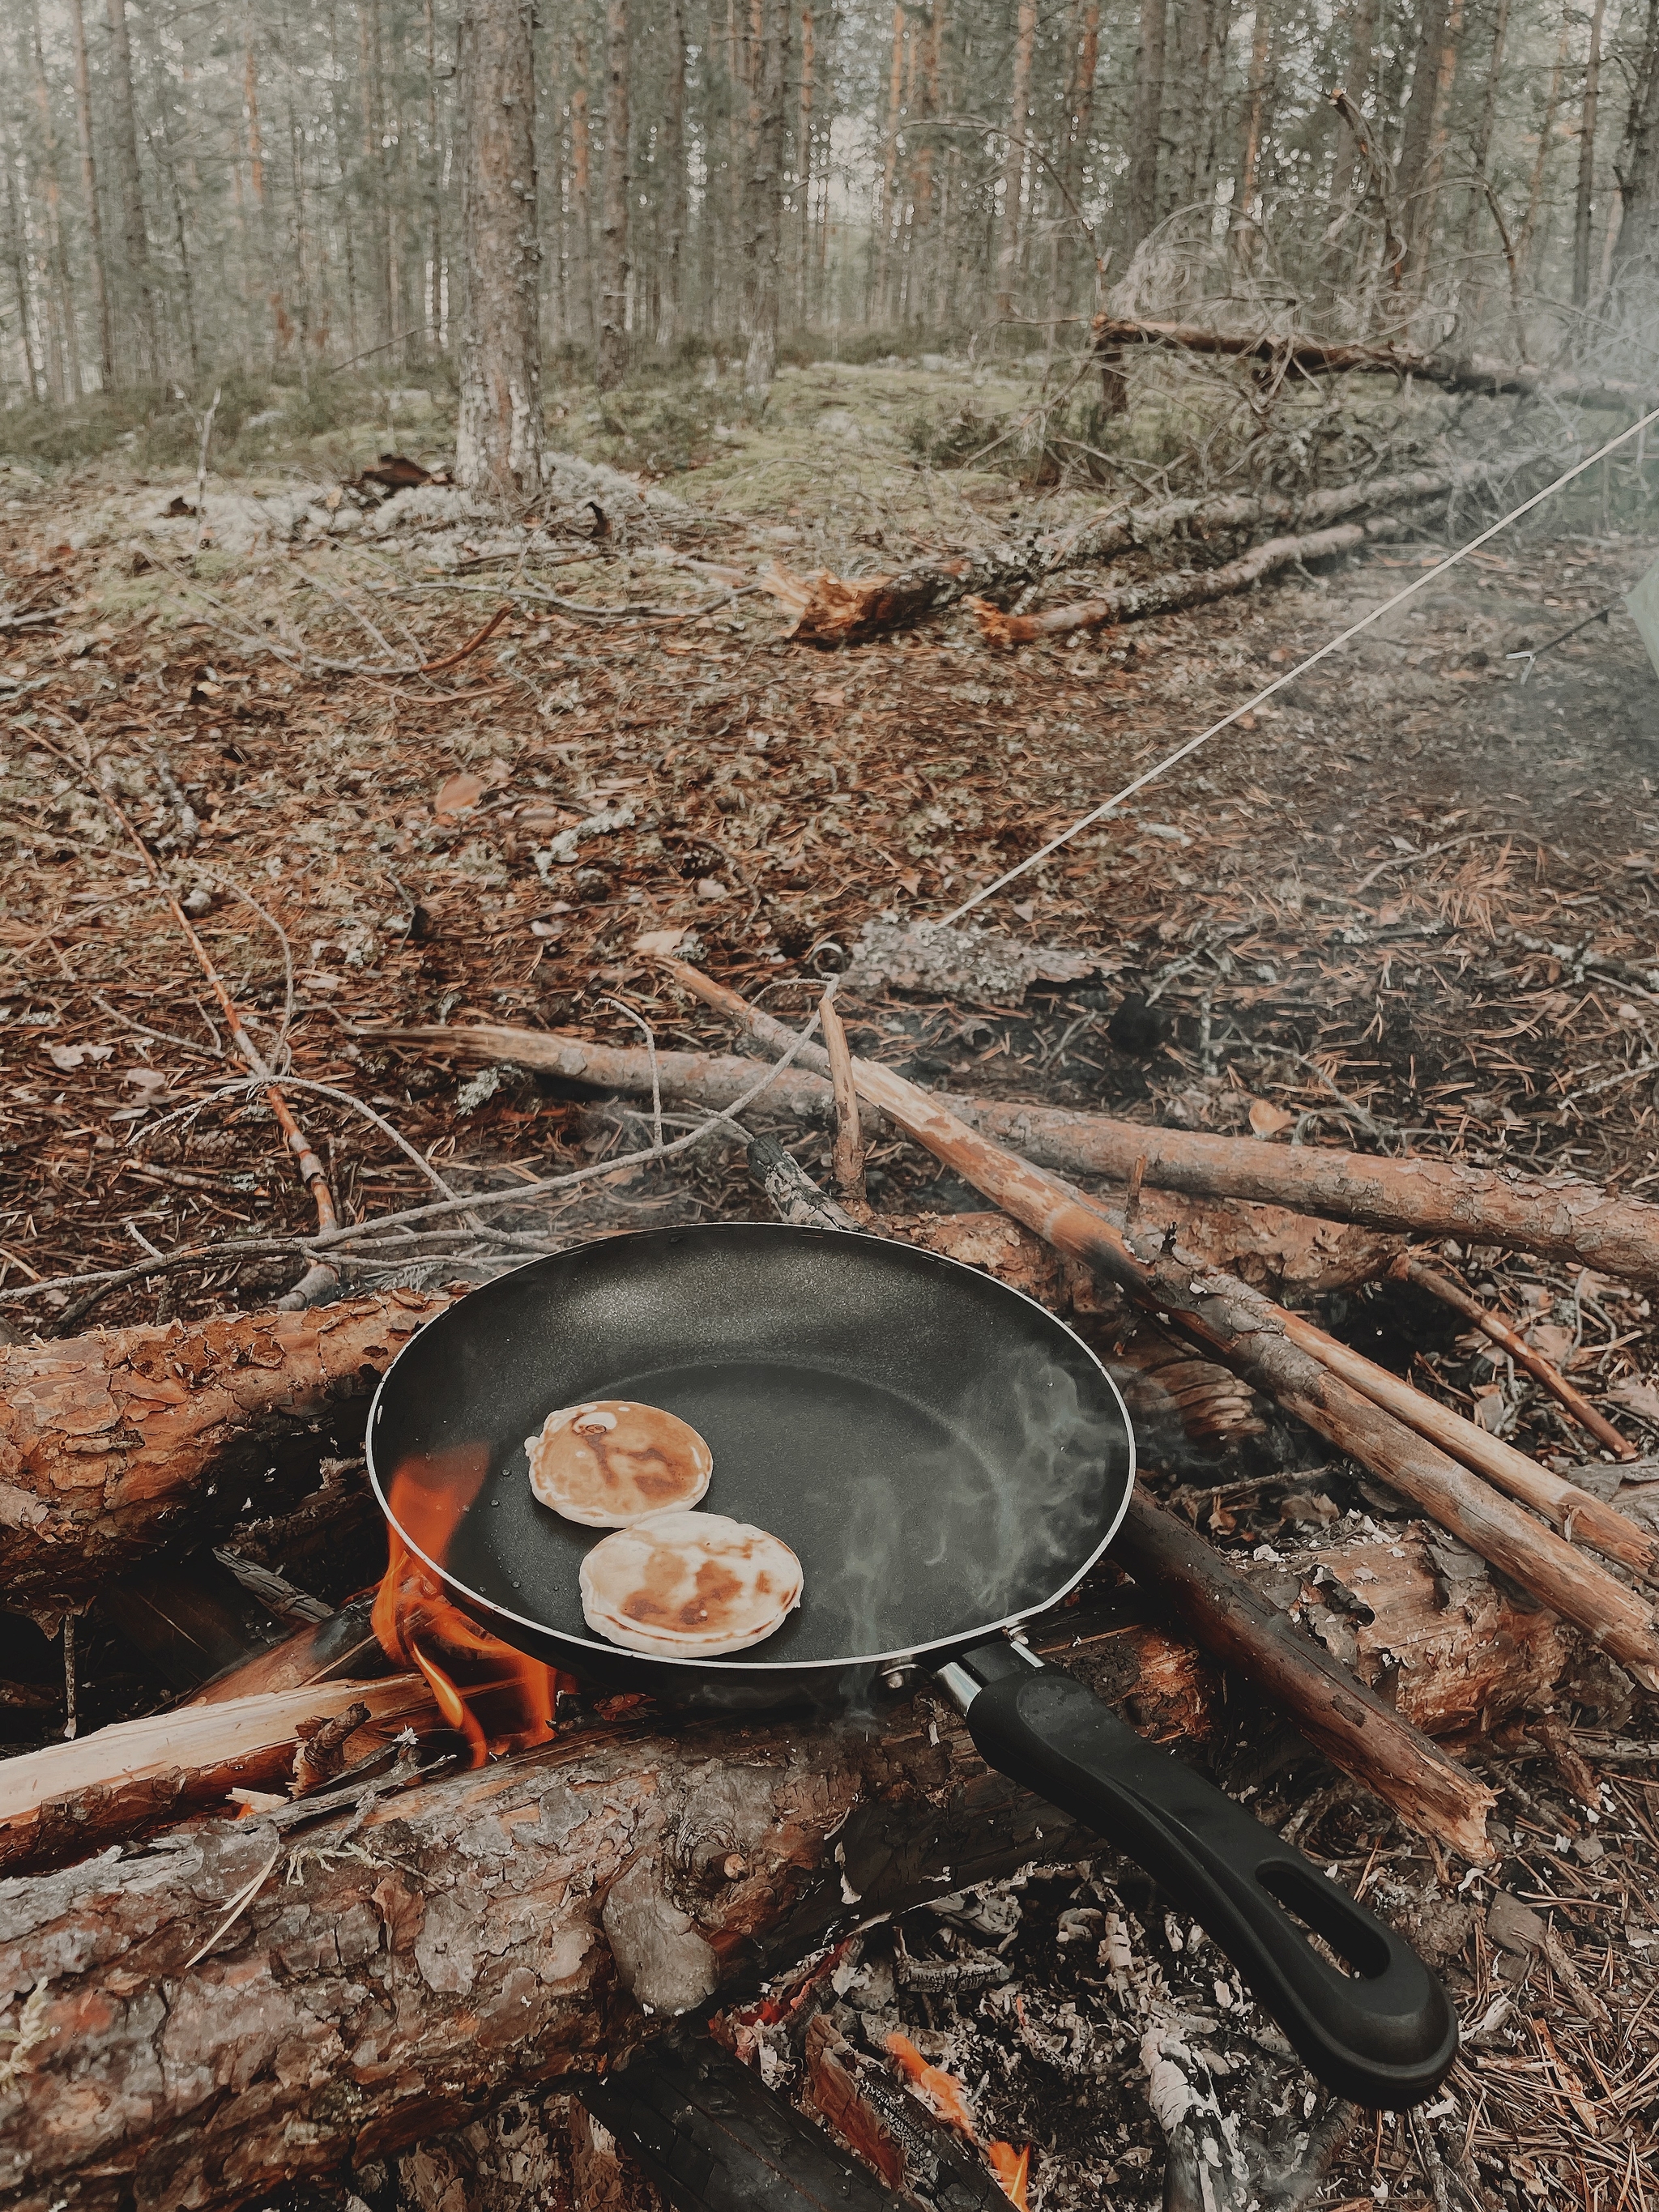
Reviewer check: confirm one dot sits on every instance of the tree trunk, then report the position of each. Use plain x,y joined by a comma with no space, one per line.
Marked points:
1147,123
1256,123
17,254
434,288
1584,200
1420,228
89,188
72,380
888,216
498,441
763,213
1015,149
579,248
114,1444
613,231
255,167
1417,132
671,154
135,238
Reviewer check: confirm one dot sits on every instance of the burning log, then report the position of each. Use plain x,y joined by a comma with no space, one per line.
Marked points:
1269,1348
834,611
1171,592
116,1444
1311,356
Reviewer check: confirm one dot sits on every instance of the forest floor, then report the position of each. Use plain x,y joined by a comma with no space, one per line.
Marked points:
1411,903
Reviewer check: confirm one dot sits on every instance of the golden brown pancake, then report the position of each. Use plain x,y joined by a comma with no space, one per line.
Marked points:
610,1461
689,1585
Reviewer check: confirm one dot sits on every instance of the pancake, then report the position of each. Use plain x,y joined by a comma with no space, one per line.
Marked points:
610,1461
690,1586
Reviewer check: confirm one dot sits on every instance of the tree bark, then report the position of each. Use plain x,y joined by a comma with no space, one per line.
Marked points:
498,442
1244,216
613,226
135,238
1015,149
70,381
1584,199
671,253
1147,123
763,204
90,187
116,1444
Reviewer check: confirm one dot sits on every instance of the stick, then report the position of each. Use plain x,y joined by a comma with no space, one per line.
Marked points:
1254,1337
201,470
848,1159
790,1191
432,667
1525,1355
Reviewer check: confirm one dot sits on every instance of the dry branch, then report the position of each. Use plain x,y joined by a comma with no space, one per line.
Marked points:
119,1444
1312,357
1168,593
1254,1338
834,611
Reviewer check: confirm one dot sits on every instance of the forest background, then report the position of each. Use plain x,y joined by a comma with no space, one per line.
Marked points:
221,194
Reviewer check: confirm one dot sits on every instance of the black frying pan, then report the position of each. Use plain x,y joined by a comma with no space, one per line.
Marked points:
945,1459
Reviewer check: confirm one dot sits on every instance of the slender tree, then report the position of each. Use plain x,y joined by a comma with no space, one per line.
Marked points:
1015,151
613,222
1584,199
1142,209
671,150
498,444
90,193
764,209
135,235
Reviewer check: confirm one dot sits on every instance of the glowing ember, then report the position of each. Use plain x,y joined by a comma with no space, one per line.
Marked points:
415,1621
948,2099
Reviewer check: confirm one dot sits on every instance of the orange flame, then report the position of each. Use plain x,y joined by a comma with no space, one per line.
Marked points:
948,2098
428,1497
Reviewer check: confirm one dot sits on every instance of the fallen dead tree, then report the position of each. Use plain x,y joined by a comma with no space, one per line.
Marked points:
116,1444
1116,335
1272,1350
1168,593
1556,1217
834,611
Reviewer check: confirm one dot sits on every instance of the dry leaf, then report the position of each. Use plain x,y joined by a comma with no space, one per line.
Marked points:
1267,1121
68,1056
711,887
659,944
1553,1340
1638,1396
457,793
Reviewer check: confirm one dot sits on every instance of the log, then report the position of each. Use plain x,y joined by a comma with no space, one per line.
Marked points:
1557,1217
1313,357
832,610
1171,592
1254,1338
1265,1244
126,1441
398,1966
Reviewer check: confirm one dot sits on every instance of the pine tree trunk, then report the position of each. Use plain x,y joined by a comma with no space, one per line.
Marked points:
1148,120
1480,151
1586,194
1013,158
1547,137
18,256
90,187
881,287
765,205
578,255
670,153
804,158
66,363
1256,123
434,165
256,171
498,443
135,238
613,235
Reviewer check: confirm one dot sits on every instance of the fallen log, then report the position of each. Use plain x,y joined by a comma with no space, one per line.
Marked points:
1557,1217
832,610
1265,1244
1249,1335
118,1444
1168,593
1114,335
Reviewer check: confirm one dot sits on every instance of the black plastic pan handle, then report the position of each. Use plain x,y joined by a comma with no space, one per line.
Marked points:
1385,2034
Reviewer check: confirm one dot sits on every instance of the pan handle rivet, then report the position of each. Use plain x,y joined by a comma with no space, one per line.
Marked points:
897,1678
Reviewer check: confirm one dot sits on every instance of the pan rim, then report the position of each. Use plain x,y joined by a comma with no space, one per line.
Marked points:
725,1666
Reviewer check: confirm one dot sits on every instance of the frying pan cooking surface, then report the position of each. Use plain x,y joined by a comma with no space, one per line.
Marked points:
942,1455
